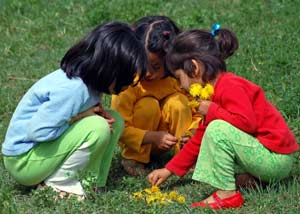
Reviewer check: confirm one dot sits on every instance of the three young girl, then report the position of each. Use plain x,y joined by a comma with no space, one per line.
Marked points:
59,133
156,110
242,132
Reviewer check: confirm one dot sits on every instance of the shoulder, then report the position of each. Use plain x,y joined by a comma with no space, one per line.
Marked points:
230,80
58,84
231,84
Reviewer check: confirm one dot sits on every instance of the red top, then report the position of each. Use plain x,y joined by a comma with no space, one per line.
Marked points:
244,105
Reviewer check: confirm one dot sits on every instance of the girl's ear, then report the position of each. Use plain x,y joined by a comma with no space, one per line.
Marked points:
198,68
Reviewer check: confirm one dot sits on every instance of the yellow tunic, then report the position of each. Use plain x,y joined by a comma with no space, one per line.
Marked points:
159,105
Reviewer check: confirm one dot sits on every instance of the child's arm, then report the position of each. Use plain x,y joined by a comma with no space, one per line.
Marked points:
91,111
53,116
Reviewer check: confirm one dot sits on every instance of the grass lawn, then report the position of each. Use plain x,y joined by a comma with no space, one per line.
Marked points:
35,34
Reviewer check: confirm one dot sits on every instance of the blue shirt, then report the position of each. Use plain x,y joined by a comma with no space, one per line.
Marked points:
44,112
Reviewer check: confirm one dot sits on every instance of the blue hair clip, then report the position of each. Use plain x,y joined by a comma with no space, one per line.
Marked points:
214,28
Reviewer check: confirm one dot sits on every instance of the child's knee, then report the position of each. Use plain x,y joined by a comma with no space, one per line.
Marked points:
216,132
217,126
177,103
148,108
97,127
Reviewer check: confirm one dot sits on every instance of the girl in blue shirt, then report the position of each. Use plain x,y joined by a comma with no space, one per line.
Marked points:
59,134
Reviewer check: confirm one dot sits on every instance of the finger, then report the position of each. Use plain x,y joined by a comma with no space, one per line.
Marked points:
151,178
96,109
171,138
159,181
170,143
167,147
110,121
185,139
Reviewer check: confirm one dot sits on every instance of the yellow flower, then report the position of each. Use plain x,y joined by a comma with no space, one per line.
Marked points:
155,189
195,90
193,104
138,195
163,201
204,95
173,195
150,199
189,133
154,195
210,89
148,191
180,199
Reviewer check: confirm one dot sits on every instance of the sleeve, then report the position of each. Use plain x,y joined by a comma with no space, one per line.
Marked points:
53,116
196,118
236,108
187,157
124,104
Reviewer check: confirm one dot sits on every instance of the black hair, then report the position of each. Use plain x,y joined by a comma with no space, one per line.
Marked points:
203,47
111,53
156,32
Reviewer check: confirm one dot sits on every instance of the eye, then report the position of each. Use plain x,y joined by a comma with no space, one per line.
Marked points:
155,66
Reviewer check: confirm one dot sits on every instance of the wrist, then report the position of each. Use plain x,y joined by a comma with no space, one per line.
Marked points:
73,119
168,172
148,137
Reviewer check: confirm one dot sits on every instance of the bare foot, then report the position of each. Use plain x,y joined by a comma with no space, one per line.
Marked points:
246,181
133,167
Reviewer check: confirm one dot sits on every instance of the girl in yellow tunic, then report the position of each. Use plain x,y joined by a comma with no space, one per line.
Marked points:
156,110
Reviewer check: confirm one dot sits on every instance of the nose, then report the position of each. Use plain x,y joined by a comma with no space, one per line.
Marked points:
148,75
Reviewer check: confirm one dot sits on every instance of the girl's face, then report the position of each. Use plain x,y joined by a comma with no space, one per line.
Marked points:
185,80
155,67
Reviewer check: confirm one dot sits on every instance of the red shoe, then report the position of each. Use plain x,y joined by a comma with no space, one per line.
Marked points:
230,202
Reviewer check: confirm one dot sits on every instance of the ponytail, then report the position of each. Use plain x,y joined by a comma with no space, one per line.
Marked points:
227,42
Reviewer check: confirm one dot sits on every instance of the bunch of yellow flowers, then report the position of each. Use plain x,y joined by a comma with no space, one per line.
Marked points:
198,92
154,195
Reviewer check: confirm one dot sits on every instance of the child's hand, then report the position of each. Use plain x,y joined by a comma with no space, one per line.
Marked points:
203,107
184,140
109,118
158,176
163,140
186,137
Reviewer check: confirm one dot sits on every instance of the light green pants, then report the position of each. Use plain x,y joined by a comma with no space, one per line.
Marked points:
226,151
45,158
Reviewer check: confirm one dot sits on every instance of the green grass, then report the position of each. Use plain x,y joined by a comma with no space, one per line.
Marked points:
34,35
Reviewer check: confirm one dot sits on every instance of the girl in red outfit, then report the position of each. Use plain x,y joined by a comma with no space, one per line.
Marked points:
242,132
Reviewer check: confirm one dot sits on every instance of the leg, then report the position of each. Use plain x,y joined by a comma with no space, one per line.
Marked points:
61,156
65,178
105,162
176,116
146,116
223,147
